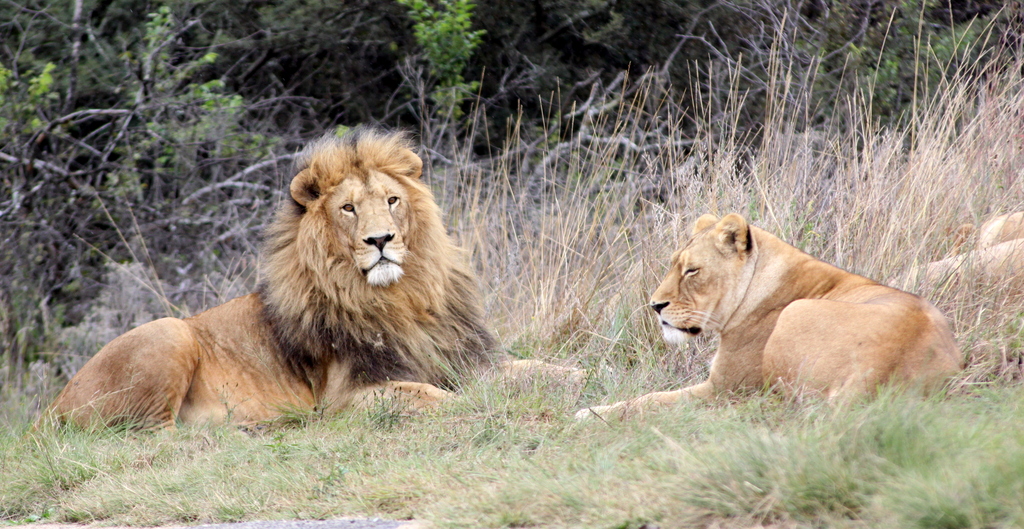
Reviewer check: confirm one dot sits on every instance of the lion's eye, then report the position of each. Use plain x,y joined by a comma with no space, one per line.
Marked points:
393,200
349,208
691,272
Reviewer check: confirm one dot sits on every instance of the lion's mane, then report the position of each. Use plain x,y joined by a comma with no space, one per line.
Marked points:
426,327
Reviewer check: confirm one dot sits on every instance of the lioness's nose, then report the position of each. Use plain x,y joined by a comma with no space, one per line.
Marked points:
658,306
379,242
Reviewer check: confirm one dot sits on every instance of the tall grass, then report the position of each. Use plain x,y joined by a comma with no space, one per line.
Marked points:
570,234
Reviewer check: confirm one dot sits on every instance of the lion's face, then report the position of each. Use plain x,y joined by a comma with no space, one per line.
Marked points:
372,218
360,205
706,279
358,266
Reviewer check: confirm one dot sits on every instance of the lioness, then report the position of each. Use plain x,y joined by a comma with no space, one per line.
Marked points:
997,230
791,321
363,296
991,262
997,254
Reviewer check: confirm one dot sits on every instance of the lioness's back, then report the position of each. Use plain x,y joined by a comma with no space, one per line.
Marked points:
835,346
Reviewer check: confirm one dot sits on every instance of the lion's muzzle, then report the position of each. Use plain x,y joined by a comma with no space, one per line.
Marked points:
693,330
384,260
677,335
384,272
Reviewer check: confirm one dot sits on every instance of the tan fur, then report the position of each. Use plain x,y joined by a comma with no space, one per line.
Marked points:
997,230
1001,229
961,236
323,332
997,254
996,262
791,321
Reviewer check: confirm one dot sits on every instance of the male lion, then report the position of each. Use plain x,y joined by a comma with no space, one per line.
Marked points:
790,321
363,295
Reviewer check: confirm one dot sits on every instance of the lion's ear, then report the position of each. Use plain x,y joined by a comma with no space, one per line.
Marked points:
413,166
733,234
704,222
304,188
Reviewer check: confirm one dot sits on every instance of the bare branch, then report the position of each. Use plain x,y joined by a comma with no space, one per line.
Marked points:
230,181
76,52
88,114
40,164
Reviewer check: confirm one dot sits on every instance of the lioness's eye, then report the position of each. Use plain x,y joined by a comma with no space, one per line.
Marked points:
349,208
392,200
691,272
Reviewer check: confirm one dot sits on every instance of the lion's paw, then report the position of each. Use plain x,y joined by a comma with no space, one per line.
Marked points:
595,412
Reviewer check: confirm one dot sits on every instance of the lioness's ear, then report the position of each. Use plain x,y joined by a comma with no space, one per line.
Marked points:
961,235
733,234
304,188
704,222
413,166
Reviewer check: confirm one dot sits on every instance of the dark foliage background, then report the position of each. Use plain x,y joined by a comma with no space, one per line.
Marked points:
136,131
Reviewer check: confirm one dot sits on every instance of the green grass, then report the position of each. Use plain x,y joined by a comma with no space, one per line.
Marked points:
508,457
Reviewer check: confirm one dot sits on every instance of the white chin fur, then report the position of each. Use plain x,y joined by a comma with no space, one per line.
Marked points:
674,336
384,273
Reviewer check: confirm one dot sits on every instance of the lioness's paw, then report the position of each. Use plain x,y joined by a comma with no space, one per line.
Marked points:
421,397
595,412
520,369
535,375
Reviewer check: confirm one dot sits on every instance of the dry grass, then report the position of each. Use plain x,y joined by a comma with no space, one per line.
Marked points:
570,237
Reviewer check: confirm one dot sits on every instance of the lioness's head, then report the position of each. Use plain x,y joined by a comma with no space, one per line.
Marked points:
706,280
364,187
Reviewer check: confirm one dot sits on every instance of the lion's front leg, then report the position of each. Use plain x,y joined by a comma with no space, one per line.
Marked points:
415,396
648,402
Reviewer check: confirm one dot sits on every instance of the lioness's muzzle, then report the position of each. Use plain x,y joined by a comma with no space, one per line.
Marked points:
693,331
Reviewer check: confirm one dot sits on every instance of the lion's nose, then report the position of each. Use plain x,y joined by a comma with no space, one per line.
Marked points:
379,242
658,306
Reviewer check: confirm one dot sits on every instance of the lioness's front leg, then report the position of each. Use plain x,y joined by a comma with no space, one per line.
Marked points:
650,401
416,396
